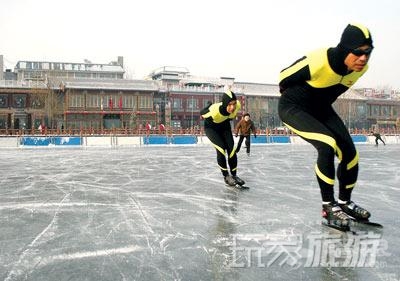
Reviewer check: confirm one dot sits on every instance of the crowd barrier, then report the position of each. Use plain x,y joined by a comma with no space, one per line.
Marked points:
49,141
148,140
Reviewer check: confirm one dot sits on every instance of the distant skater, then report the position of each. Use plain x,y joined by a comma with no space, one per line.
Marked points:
377,137
217,126
308,89
244,128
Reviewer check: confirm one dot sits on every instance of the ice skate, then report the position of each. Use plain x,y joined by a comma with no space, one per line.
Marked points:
355,211
335,216
229,180
238,180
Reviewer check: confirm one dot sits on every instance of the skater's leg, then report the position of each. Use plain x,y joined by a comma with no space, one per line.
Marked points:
315,132
241,137
247,144
232,157
218,142
347,171
229,145
224,145
312,127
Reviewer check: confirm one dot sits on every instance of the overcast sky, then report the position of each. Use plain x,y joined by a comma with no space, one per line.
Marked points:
250,40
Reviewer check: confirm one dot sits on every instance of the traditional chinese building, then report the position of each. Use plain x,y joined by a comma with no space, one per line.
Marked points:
88,97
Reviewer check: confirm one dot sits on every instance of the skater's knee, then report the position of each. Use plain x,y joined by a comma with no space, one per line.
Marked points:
326,151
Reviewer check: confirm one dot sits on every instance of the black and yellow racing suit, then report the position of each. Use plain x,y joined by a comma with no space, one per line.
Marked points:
308,88
218,129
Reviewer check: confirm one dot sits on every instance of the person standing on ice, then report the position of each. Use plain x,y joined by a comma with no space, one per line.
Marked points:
218,129
308,88
244,128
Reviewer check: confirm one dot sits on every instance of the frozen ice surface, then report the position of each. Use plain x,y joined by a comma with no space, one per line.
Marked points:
164,213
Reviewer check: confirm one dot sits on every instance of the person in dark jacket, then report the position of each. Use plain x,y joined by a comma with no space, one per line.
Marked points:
308,88
377,137
244,128
218,129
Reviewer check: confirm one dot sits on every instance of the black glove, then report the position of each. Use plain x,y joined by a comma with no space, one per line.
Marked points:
255,136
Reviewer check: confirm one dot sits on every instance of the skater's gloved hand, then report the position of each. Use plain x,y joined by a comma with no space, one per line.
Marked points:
255,136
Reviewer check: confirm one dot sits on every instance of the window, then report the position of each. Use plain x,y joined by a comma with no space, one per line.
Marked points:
361,110
82,75
129,102
37,76
146,101
106,75
3,101
192,103
27,75
3,122
273,105
385,111
93,101
36,102
177,103
76,100
19,101
110,101
374,110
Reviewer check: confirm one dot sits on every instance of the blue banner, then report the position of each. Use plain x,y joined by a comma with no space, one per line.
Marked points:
155,140
46,141
359,138
184,140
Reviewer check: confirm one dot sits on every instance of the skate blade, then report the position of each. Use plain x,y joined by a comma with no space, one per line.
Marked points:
238,186
340,228
366,222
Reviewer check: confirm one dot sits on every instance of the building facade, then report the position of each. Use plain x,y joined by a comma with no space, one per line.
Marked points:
22,105
95,98
103,105
44,70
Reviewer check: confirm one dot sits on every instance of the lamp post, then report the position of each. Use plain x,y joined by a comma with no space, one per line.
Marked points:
191,120
349,114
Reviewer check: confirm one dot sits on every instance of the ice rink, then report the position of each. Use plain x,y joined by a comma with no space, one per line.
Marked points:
164,213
